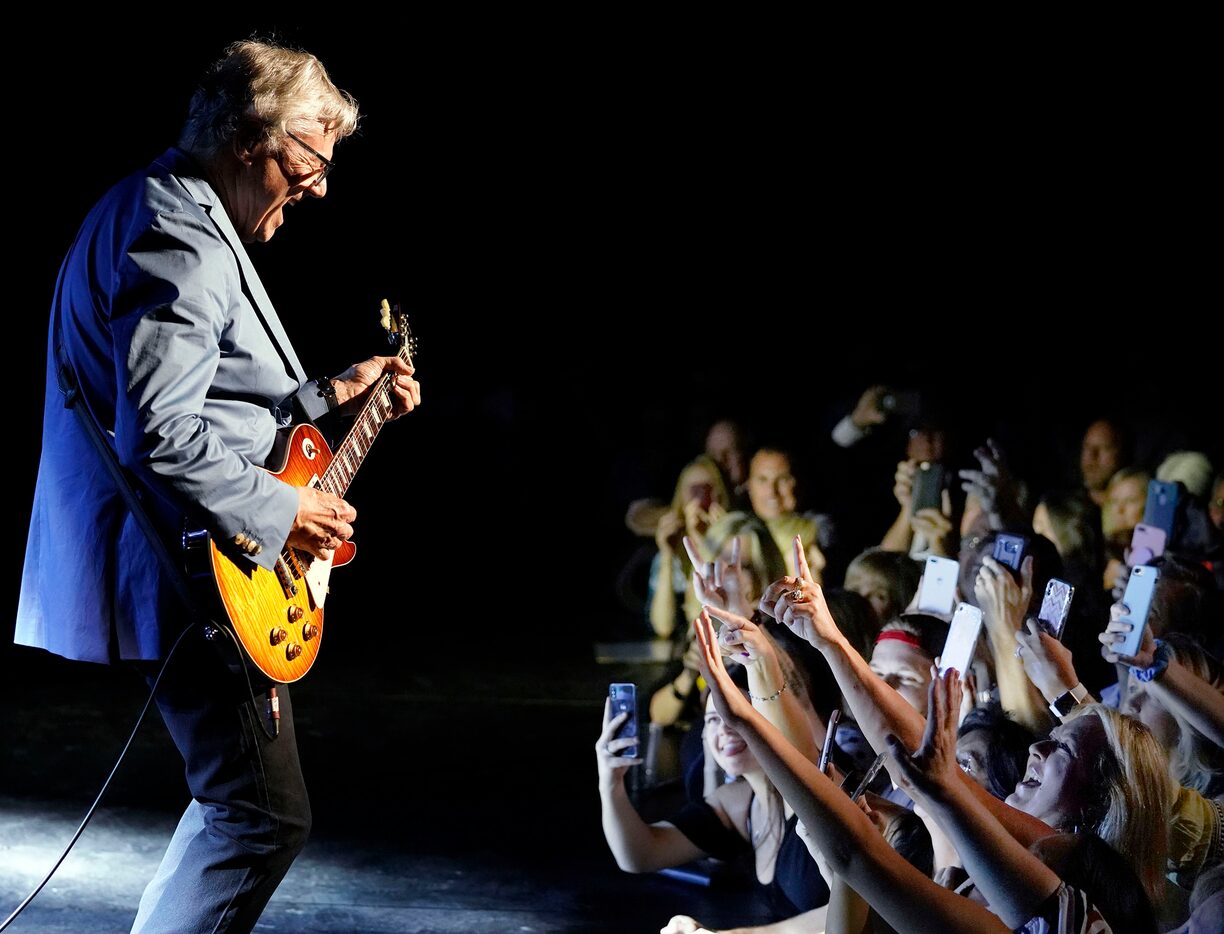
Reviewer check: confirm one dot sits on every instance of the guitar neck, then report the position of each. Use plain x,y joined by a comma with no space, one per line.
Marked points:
375,413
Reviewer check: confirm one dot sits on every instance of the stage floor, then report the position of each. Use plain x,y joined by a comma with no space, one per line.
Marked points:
467,802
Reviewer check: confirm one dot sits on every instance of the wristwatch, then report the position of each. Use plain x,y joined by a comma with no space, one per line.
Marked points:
327,390
1067,701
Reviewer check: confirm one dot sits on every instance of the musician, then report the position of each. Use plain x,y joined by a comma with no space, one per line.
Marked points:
182,358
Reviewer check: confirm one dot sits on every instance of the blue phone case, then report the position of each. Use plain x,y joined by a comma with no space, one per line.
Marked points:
624,698
1138,600
1161,507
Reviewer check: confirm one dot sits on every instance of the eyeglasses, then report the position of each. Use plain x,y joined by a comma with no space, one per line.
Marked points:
324,170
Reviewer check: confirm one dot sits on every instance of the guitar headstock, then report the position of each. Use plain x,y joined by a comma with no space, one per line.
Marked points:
395,323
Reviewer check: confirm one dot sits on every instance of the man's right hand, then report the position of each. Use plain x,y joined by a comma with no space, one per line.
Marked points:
323,522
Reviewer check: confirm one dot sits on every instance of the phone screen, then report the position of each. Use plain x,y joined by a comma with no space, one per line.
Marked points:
624,699
1055,606
938,591
1138,599
962,639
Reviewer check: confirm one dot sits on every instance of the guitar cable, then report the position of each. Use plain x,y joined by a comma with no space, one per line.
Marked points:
211,630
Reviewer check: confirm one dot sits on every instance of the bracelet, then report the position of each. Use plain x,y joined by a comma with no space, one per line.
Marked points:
774,696
1160,661
327,389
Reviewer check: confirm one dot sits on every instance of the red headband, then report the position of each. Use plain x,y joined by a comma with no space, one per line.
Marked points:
900,637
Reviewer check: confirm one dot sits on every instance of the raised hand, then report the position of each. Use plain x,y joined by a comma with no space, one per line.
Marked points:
1003,601
932,770
992,483
1116,632
1047,662
718,584
612,766
739,638
870,411
731,705
799,604
903,484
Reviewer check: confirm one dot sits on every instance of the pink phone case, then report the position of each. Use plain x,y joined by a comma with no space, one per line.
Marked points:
1147,544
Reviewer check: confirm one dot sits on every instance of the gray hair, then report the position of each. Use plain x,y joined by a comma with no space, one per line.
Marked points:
257,92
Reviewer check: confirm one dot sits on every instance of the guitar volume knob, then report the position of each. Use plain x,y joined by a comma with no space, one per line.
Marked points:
278,635
292,651
296,613
309,631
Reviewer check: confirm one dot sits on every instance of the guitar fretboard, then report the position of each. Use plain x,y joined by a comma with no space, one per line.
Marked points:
374,414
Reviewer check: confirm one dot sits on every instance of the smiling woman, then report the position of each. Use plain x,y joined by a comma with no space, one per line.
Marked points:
1104,772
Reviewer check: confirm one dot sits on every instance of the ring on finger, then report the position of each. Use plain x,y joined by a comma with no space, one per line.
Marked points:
796,595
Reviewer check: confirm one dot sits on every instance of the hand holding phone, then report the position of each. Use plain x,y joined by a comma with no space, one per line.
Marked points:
927,489
623,698
1140,588
1010,549
962,639
1055,607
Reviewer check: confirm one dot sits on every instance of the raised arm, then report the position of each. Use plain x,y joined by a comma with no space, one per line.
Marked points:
854,849
637,845
1013,880
878,709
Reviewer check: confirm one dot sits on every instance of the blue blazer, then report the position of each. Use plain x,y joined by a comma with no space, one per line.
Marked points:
179,351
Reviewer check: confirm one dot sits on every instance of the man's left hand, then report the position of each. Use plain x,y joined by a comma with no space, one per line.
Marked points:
354,384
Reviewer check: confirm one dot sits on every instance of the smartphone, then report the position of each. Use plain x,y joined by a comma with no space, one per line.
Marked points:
1055,606
905,402
624,699
1147,544
1161,506
830,734
938,592
962,639
927,491
1138,600
867,779
1009,549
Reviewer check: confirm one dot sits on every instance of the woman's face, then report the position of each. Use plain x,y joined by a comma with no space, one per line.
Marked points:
873,587
972,751
1151,713
1124,505
1057,782
1043,526
771,486
728,747
905,668
697,483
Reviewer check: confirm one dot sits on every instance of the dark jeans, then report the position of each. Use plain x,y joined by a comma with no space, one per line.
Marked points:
249,815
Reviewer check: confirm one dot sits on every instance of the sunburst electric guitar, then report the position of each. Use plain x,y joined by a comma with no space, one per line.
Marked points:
278,615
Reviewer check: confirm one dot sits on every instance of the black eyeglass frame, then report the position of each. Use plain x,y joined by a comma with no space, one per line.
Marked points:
325,169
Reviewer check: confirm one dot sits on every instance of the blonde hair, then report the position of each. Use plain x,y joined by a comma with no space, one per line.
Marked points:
259,91
1136,796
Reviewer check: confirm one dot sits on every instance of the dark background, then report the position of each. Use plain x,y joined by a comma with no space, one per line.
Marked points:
609,232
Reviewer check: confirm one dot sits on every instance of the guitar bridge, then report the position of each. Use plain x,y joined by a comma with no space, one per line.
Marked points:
285,576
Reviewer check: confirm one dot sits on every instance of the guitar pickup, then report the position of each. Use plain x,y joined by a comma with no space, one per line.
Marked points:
285,576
